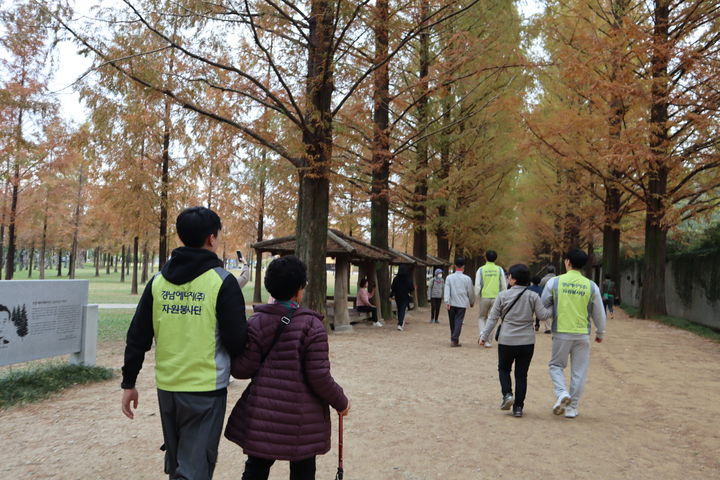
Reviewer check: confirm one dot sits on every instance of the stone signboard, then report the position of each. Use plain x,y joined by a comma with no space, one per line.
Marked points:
40,319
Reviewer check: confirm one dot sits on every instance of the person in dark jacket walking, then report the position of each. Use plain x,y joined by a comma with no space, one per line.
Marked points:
195,311
400,290
283,414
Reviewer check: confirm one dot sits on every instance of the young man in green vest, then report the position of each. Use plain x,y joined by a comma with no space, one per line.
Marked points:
489,281
574,300
195,312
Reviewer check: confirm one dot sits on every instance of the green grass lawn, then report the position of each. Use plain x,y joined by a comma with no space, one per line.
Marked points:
107,288
695,328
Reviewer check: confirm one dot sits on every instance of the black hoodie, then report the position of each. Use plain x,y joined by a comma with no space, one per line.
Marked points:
186,264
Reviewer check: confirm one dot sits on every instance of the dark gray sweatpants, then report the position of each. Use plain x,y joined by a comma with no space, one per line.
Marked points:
192,424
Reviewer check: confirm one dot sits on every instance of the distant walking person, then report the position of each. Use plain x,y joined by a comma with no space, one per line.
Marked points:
400,290
574,300
516,337
490,280
550,274
459,296
535,287
195,312
436,290
608,294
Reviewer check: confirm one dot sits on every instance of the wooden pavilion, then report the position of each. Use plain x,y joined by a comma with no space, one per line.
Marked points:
346,251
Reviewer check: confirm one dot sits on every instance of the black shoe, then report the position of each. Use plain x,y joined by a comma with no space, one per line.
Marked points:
517,412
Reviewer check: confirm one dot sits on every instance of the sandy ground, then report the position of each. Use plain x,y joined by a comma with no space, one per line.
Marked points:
422,410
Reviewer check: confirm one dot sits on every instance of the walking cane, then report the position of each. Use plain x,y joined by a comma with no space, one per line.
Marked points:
339,474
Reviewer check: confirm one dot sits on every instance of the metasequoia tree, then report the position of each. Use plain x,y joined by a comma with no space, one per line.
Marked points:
644,70
26,42
422,106
319,34
593,49
681,165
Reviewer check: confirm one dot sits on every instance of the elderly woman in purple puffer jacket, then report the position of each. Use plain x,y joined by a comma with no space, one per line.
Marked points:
283,414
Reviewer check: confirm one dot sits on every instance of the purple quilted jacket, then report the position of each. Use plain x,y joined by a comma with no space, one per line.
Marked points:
283,414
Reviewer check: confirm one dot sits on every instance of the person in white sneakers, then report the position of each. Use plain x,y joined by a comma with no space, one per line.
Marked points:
574,300
489,281
364,304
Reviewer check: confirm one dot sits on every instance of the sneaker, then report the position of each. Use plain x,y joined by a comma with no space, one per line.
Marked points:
571,412
378,324
561,404
455,344
517,412
548,331
400,327
507,402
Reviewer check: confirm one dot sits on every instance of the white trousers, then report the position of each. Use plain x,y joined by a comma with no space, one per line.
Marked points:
578,350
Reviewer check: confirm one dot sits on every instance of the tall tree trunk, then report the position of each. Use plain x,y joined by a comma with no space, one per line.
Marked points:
76,225
613,196
98,256
257,294
43,242
12,236
115,264
653,289
30,261
381,156
441,234
59,266
165,185
135,259
146,261
108,262
122,265
314,189
421,173
6,188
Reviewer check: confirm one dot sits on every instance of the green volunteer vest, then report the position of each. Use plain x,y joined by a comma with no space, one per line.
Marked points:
573,300
491,280
188,353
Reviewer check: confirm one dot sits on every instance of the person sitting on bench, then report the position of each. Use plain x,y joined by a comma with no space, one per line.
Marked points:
363,302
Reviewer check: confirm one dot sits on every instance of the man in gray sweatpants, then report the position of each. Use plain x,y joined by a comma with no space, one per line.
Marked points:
574,300
194,311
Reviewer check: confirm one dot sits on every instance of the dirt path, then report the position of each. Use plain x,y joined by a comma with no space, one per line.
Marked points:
422,410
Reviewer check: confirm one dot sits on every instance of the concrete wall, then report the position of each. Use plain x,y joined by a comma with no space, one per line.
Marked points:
693,300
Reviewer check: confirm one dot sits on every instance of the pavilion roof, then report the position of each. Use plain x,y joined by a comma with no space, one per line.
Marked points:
338,243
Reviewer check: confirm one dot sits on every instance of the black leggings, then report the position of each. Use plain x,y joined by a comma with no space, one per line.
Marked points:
521,355
259,469
435,308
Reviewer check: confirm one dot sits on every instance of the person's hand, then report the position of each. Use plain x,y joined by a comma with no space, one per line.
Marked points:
130,395
481,342
598,340
346,411
447,306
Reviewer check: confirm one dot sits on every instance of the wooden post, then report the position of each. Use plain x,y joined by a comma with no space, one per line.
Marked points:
257,297
342,319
